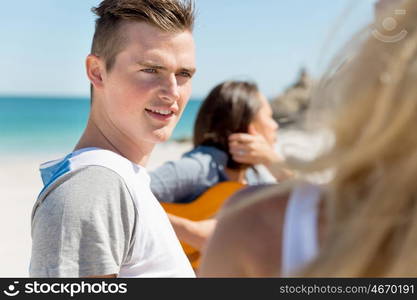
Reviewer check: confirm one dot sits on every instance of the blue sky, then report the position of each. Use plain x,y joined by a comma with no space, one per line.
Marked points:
44,43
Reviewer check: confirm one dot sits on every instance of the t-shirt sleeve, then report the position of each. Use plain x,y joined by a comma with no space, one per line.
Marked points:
177,180
84,227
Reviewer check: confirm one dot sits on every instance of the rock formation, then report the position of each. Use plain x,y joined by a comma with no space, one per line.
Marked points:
292,103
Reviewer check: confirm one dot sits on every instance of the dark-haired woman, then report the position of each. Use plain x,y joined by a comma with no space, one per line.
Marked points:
234,127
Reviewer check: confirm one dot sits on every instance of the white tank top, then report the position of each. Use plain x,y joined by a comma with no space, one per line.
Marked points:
300,239
157,251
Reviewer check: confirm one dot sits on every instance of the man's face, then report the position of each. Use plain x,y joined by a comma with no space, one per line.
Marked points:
149,85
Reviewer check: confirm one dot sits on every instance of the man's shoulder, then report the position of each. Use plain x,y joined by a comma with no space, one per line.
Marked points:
88,187
93,177
88,212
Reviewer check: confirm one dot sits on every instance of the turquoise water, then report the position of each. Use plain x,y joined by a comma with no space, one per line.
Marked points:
36,125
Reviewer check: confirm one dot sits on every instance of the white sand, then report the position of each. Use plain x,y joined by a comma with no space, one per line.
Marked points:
20,184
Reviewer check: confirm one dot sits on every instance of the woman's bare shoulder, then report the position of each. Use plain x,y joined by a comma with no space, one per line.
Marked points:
250,226
254,200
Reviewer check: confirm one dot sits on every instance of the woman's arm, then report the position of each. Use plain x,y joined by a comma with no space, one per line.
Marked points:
176,180
254,149
194,233
274,165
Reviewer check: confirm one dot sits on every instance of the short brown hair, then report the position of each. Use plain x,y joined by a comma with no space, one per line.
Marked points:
229,108
167,15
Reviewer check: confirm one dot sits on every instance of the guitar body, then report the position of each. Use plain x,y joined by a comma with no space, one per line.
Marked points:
204,207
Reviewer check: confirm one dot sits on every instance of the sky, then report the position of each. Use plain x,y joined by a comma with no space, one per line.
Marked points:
44,43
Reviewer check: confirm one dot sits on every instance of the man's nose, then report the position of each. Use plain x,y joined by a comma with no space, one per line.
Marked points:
170,89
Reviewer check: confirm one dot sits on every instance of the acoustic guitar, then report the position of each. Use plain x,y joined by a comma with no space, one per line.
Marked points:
202,208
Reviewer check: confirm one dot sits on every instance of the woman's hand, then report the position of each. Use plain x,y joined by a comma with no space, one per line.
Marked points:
252,148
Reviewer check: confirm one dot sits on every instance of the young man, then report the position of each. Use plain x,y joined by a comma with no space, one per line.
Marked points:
96,215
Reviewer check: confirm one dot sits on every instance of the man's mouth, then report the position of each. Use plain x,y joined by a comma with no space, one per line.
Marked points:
160,114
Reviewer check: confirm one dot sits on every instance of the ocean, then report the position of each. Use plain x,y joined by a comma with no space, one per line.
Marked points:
52,125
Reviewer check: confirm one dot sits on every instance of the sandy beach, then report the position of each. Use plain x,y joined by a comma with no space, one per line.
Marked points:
20,184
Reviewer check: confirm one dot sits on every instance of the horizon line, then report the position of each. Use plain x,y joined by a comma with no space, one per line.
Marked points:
68,96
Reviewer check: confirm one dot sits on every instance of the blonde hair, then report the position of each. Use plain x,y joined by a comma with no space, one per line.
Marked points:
371,203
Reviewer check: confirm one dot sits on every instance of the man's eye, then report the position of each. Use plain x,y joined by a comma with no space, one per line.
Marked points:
149,70
185,74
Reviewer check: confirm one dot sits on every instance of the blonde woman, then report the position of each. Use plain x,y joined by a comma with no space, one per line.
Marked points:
364,221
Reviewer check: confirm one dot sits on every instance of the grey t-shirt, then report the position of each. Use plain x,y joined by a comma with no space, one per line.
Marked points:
84,227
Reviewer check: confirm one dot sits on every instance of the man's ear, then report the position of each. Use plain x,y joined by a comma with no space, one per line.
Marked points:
95,69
